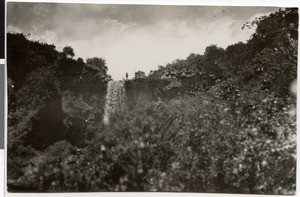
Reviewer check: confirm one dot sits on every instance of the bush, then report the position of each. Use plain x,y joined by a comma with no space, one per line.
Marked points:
191,144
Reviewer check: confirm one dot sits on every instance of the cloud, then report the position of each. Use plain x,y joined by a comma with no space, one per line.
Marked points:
132,37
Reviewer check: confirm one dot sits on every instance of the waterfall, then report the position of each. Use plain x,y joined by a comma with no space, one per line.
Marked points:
115,99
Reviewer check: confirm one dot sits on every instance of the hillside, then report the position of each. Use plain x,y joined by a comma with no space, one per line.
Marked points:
222,121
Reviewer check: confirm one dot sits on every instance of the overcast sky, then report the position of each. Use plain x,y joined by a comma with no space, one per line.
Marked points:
132,37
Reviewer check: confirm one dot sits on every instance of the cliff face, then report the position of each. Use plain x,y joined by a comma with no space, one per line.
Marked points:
83,93
147,89
138,91
46,125
51,97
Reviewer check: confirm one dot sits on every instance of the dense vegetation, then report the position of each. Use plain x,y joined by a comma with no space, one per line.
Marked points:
223,121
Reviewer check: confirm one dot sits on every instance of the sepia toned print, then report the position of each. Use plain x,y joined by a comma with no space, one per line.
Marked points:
151,98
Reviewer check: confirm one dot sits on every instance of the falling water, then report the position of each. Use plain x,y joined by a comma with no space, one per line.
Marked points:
115,99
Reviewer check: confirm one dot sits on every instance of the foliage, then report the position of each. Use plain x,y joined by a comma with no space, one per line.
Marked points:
186,144
139,74
98,63
224,121
37,77
30,55
68,51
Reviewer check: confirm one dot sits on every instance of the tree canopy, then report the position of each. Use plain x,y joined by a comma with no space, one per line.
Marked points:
139,75
69,51
98,63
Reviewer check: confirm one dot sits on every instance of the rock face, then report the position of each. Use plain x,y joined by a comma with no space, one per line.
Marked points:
138,90
46,125
115,99
147,90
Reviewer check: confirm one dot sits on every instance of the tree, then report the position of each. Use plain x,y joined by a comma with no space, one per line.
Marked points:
139,74
274,45
97,63
274,29
68,51
213,53
236,56
213,59
80,60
